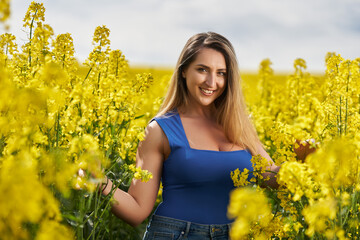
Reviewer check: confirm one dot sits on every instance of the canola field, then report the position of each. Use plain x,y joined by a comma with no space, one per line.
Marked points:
60,119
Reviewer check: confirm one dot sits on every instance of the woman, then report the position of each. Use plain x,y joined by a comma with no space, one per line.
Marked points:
201,133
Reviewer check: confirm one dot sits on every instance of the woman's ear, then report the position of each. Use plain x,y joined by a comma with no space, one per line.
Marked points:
183,73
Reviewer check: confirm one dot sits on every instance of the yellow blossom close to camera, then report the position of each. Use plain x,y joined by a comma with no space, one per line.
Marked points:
248,206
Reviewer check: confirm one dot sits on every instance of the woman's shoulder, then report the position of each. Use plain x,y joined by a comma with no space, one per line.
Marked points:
155,135
155,125
166,115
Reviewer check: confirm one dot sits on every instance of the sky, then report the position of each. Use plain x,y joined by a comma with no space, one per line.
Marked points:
153,32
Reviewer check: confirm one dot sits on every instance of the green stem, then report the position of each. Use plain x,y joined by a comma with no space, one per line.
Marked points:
57,129
346,114
80,225
104,136
63,60
87,75
113,189
98,83
347,90
31,27
340,209
347,212
99,195
340,123
110,227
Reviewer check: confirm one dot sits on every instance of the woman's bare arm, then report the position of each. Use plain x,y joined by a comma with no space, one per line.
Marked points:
272,182
135,205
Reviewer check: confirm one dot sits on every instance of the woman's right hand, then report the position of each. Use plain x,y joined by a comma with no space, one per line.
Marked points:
135,205
81,180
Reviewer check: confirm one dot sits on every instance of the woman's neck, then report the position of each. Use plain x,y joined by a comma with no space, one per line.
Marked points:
207,112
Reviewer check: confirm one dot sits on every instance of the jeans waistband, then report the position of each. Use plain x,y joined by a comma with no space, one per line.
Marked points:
186,227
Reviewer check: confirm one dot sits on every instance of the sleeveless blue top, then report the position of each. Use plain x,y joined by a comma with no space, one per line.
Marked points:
196,183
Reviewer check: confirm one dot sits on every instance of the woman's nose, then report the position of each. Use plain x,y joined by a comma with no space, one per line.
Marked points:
211,80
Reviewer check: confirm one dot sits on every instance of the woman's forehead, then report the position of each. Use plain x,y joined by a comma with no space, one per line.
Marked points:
210,58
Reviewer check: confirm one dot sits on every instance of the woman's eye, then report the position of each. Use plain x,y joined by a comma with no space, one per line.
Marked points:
222,73
202,70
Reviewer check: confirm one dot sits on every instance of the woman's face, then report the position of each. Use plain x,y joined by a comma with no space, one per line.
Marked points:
206,77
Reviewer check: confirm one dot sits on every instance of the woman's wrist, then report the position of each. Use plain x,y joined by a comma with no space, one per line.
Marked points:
106,187
104,184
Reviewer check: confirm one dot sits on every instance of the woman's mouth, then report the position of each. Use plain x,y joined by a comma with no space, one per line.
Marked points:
207,92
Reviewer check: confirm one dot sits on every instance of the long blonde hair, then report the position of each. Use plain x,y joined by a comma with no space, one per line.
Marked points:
231,112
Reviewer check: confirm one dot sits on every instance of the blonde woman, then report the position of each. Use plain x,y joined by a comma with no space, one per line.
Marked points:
201,133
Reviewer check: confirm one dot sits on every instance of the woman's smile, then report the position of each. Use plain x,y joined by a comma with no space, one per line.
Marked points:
207,92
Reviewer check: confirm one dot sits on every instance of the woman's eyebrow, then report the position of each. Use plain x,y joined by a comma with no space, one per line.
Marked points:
201,65
204,66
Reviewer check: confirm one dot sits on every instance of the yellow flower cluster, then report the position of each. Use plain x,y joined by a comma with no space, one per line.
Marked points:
319,215
260,167
139,173
317,197
240,179
4,11
298,179
253,215
61,123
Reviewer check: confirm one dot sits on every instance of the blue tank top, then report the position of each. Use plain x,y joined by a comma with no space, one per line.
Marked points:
196,183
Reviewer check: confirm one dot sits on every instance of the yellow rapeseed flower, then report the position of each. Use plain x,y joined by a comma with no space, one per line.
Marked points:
247,206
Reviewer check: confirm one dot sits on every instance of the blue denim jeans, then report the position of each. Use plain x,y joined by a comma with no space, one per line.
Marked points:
165,228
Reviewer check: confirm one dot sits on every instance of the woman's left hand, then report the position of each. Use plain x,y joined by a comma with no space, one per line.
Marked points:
304,148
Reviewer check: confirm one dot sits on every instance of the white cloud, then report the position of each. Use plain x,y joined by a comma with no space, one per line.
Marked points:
153,31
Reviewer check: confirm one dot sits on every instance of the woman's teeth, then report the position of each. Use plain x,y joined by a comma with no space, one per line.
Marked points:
206,91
